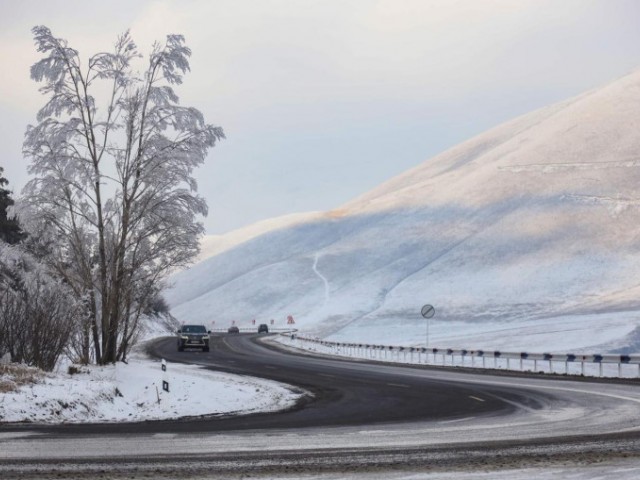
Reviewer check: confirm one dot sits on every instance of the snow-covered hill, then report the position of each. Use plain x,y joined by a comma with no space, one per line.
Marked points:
527,236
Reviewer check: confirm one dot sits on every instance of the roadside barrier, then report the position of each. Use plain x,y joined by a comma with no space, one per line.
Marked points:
254,329
610,365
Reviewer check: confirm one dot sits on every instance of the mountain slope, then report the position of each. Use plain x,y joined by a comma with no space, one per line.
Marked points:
533,223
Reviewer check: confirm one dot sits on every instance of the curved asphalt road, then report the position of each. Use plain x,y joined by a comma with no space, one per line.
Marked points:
361,414
343,392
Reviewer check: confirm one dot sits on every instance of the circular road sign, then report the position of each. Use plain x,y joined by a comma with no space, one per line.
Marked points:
428,311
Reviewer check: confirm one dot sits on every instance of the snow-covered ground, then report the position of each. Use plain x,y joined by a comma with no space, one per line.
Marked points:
588,333
133,392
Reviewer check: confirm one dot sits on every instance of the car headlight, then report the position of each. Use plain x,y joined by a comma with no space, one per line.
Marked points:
206,337
183,337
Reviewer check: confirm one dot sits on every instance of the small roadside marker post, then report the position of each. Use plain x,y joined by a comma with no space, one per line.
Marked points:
165,383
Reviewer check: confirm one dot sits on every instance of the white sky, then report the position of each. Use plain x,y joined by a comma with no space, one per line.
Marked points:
323,100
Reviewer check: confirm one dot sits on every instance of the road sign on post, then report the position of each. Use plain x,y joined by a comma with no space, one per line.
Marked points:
428,312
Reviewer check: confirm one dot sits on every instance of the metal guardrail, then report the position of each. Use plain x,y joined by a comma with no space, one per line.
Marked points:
254,329
439,356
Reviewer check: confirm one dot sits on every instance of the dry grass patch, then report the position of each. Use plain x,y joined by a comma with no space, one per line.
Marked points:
13,376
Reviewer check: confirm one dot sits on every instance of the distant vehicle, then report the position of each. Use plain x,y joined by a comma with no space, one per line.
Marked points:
233,329
263,328
193,336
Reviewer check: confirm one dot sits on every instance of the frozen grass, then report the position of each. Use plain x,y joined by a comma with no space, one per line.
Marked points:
13,376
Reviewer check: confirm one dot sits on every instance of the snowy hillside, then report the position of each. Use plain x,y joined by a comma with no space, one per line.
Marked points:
215,244
526,235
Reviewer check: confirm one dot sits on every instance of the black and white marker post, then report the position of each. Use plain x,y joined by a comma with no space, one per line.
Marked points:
428,312
165,383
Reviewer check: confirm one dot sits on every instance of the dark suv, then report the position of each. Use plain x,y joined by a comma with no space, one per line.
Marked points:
263,328
193,336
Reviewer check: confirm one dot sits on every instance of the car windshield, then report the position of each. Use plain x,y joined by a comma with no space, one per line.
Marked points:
194,329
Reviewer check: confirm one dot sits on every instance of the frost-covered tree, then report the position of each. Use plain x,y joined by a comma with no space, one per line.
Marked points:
10,231
112,156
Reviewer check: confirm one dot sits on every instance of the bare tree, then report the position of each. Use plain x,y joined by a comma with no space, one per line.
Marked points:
113,186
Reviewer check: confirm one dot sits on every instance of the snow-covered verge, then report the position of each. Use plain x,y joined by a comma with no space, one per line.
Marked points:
133,392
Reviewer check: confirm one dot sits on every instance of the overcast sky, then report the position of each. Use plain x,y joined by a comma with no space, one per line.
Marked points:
323,100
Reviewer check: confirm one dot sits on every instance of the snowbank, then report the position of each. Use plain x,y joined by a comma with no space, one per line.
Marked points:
133,392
